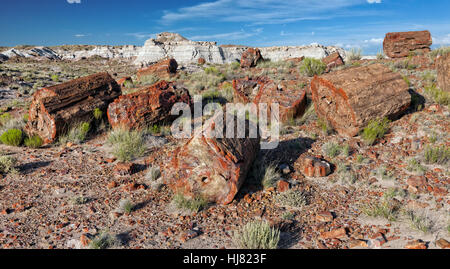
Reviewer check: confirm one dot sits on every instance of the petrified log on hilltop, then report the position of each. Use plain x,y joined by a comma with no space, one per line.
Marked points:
401,44
55,109
350,98
147,106
443,72
290,97
250,58
214,168
162,69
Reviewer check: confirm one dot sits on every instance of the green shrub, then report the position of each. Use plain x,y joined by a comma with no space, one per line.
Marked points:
126,145
148,80
271,176
437,155
98,114
7,165
386,208
419,222
324,126
291,198
375,129
77,134
12,137
257,235
33,142
415,167
194,205
354,54
5,117
126,206
439,96
312,67
102,241
346,174
212,70
153,173
55,78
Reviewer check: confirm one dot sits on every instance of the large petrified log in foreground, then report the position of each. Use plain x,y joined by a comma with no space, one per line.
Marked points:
55,109
214,168
162,69
350,98
288,94
250,58
147,106
401,44
443,72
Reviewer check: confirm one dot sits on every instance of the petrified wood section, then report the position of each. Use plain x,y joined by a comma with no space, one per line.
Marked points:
443,72
212,167
162,69
333,60
350,98
401,44
250,58
54,109
289,96
315,167
146,107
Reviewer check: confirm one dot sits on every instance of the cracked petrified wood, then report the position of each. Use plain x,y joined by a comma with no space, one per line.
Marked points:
401,44
147,106
348,99
443,72
214,168
288,94
55,109
162,69
332,61
250,58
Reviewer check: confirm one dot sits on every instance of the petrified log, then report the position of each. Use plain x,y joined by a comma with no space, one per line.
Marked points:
250,58
443,72
55,109
162,69
147,106
333,60
401,44
289,96
214,168
350,98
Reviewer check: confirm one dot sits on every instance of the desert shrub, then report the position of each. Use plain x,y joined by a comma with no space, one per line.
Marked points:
153,173
98,114
324,126
235,66
7,164
33,142
5,117
148,80
126,206
375,129
257,235
55,78
271,176
312,67
291,198
415,167
439,96
383,173
79,200
437,155
386,208
354,54
103,241
76,134
346,174
12,137
439,52
419,222
194,204
380,55
212,70
126,145
332,149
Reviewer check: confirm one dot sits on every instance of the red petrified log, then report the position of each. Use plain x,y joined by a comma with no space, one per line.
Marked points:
214,168
333,60
401,44
55,109
443,72
162,69
146,107
291,99
350,98
250,58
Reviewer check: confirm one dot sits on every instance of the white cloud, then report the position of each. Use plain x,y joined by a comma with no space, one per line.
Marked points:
141,35
441,40
374,1
80,35
74,1
259,12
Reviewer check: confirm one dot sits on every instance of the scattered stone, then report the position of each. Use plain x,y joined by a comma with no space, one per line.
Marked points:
201,61
282,185
315,167
250,58
336,233
401,44
442,243
416,244
324,216
332,61
124,169
357,243
348,99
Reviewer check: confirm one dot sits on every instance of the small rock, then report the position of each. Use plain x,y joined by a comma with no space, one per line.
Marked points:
442,243
416,244
337,233
315,167
282,186
324,216
124,169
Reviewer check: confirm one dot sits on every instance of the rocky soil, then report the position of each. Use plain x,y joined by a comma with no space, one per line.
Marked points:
64,196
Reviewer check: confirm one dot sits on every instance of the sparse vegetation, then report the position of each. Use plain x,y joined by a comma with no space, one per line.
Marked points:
346,174
80,200
12,137
415,167
291,198
76,134
194,204
419,222
439,96
312,67
332,149
126,145
103,241
324,126
271,176
387,208
33,142
98,114
439,52
153,173
375,129
126,206
354,54
7,164
437,155
257,235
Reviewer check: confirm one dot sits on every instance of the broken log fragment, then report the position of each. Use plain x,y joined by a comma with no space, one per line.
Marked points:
55,109
162,69
210,167
148,106
401,44
348,99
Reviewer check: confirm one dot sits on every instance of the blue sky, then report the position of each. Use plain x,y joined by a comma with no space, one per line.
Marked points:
346,23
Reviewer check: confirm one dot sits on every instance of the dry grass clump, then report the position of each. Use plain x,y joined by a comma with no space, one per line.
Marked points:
257,235
126,145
